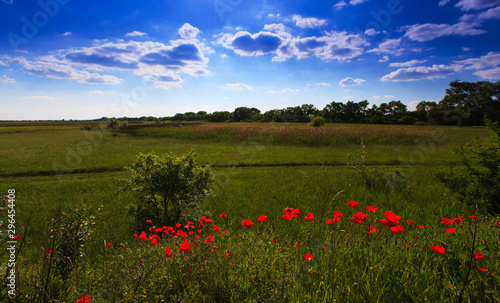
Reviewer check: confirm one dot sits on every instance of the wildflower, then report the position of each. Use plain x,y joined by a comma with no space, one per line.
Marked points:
373,229
325,249
16,237
438,249
247,223
309,217
154,242
422,227
185,247
135,235
85,299
296,244
168,252
337,215
225,231
223,215
478,256
410,222
371,209
209,220
482,269
214,248
390,219
451,230
447,221
458,220
215,228
209,239
359,217
149,221
178,225
352,204
226,255
274,240
287,216
397,229
121,246
109,244
308,257
473,217
262,219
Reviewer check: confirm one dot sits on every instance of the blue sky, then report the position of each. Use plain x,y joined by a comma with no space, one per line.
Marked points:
70,59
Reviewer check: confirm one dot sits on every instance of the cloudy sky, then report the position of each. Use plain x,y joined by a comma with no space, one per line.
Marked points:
71,59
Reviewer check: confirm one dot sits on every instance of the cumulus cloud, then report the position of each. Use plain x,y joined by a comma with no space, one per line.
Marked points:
351,81
66,34
389,46
422,72
239,86
430,31
308,22
275,39
384,59
135,34
493,73
487,65
187,31
341,4
467,5
371,32
407,63
159,63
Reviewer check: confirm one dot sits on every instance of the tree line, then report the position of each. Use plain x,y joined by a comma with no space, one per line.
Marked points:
465,103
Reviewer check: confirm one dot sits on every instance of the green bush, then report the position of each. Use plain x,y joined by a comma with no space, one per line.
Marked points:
317,122
168,187
477,182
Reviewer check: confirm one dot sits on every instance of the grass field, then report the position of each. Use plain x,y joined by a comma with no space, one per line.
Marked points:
63,174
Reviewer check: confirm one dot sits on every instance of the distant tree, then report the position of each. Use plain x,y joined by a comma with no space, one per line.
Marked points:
333,112
242,114
219,116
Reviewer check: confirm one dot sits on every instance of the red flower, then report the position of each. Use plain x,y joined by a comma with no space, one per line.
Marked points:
438,249
215,228
274,240
373,229
225,231
287,216
478,256
135,236
292,212
371,209
309,217
109,244
410,222
209,220
295,212
209,239
422,227
308,257
451,230
397,229
214,248
390,219
154,242
247,223
185,247
458,220
447,221
359,218
85,299
352,204
16,237
262,219
149,221
482,269
296,244
49,251
168,252
223,215
226,255
473,217
337,215
324,249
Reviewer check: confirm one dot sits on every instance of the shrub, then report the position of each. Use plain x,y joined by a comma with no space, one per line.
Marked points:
168,187
317,122
477,181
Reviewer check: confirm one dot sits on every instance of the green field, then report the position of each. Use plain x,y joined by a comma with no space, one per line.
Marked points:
62,168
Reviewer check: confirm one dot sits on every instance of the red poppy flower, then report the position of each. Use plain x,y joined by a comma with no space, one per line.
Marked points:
226,255
325,249
225,231
451,230
262,219
352,204
209,220
482,269
85,299
473,217
459,220
209,239
178,225
330,222
359,217
287,216
397,229
296,244
49,251
422,227
274,240
203,219
223,215
140,260
109,244
373,229
247,223
308,257
215,228
16,237
214,248
135,235
309,217
390,219
168,252
478,256
295,212
371,208
410,222
149,221
438,249
447,221
154,242
185,247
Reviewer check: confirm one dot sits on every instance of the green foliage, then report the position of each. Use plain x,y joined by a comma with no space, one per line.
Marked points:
317,122
168,187
477,182
114,125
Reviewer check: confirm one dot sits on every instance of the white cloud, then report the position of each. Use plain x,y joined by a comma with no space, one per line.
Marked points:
371,32
270,92
407,63
492,59
443,2
384,59
308,22
466,49
422,72
376,97
388,96
324,84
341,4
8,1
135,34
430,31
187,31
96,92
348,97
389,46
223,56
66,34
274,15
467,5
239,86
493,73
8,80
351,82
289,90
49,98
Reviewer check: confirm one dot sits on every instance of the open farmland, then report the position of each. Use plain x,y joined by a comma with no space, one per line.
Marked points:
70,174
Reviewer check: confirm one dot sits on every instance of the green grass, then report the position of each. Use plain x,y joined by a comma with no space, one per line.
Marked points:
262,180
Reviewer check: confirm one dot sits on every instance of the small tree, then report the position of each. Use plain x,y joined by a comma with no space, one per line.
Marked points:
477,182
317,121
168,187
115,125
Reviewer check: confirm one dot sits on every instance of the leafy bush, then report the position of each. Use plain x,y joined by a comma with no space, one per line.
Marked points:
168,187
317,122
477,181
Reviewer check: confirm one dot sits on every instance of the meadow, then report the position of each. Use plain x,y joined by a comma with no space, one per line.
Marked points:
78,238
